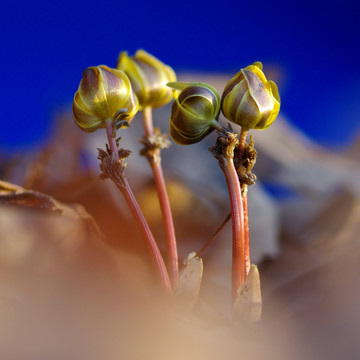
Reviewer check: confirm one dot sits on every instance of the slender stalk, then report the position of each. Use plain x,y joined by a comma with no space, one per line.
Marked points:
238,255
224,151
216,234
111,139
136,212
242,142
146,232
148,122
241,149
246,229
168,224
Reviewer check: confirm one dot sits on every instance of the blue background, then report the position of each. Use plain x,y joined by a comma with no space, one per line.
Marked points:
46,45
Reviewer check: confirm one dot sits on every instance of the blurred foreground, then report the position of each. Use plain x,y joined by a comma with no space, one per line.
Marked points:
76,282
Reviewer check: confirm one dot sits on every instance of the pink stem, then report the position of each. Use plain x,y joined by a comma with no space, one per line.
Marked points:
146,232
111,139
238,263
246,231
168,224
241,149
138,216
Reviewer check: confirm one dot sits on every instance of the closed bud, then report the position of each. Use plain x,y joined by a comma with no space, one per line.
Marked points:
194,112
148,77
250,100
103,94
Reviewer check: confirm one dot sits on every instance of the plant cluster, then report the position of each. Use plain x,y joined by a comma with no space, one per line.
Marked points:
110,98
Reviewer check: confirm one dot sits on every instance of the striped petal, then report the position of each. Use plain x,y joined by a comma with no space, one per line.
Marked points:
194,111
148,77
249,100
102,92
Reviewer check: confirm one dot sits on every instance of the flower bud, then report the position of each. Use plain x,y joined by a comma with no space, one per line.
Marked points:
194,112
148,77
103,93
249,100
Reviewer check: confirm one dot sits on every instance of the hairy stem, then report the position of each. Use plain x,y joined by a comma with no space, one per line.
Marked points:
136,212
168,224
111,139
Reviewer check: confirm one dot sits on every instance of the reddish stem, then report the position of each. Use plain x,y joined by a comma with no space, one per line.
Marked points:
246,230
136,212
146,232
111,139
168,224
241,149
238,255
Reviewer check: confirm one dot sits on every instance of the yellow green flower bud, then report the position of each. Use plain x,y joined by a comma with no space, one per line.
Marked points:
249,100
103,94
148,77
194,112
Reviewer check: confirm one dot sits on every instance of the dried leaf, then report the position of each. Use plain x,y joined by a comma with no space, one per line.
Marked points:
11,194
189,282
248,306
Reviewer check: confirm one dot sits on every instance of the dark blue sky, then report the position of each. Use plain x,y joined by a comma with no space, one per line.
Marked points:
46,45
